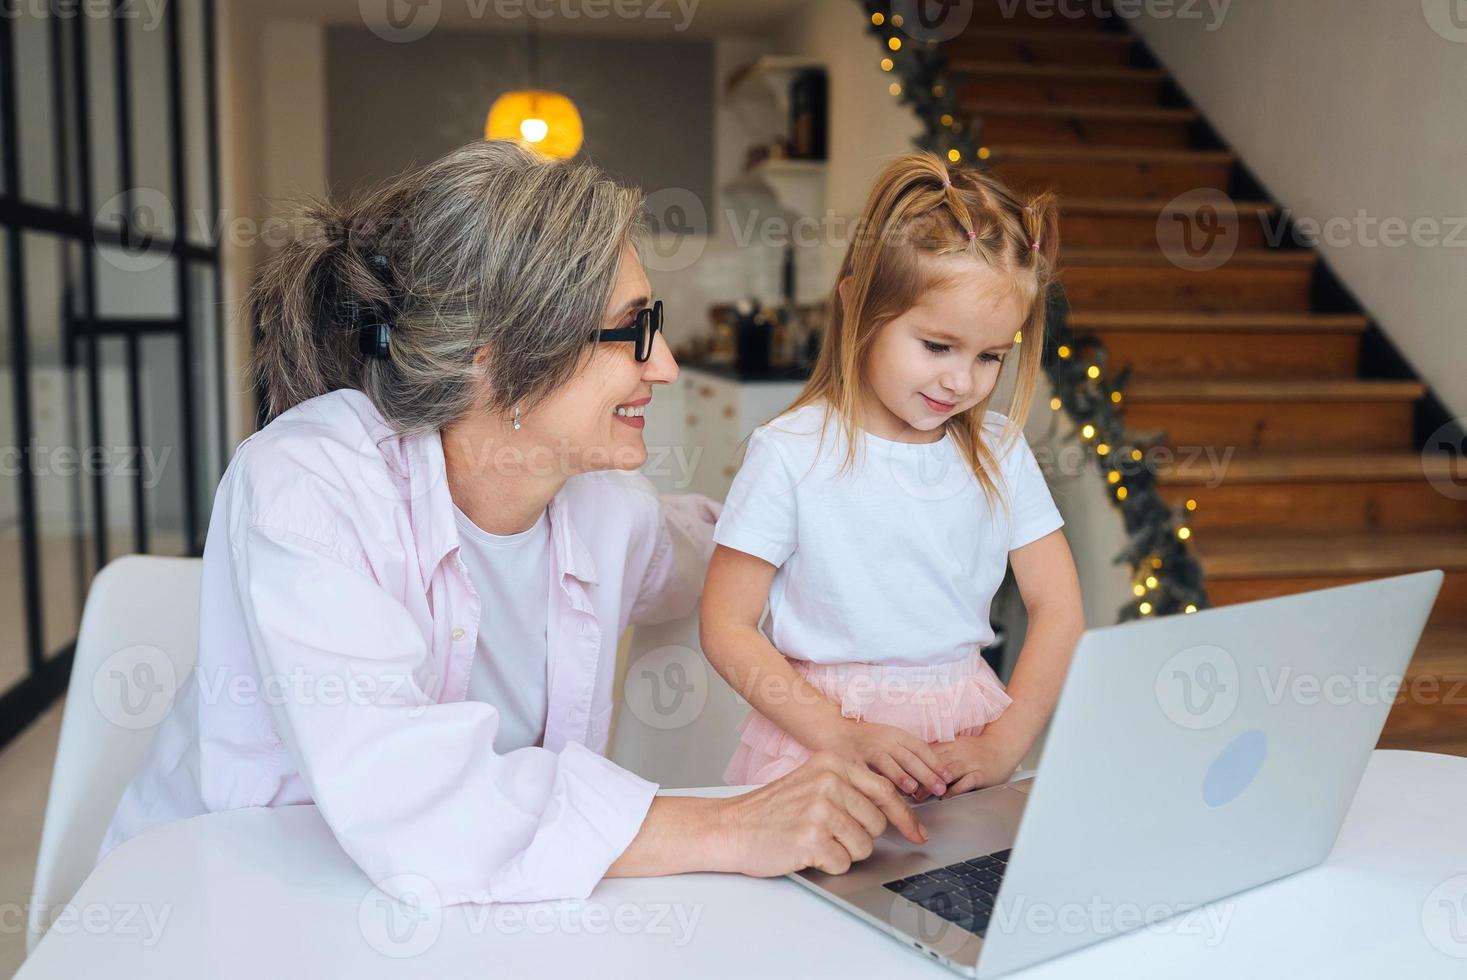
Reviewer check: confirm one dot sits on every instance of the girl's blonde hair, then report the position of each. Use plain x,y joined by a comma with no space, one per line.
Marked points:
921,208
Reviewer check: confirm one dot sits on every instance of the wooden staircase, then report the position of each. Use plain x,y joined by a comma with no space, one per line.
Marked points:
1307,471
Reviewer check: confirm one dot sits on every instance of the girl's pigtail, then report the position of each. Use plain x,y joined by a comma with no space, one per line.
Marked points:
1041,220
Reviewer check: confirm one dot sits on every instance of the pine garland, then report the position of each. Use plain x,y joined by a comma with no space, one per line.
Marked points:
1166,576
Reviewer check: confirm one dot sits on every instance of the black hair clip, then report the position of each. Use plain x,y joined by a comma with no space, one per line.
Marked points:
374,331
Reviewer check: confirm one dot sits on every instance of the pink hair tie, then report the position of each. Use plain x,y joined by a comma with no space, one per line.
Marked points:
1029,209
1035,246
946,182
972,234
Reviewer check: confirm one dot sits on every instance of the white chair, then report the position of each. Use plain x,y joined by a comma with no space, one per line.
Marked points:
138,641
675,717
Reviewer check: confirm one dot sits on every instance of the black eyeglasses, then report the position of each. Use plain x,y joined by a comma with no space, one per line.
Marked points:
649,321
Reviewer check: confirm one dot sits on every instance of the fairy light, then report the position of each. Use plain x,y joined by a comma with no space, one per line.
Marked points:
1145,609
954,155
887,64
1055,404
947,119
1103,449
878,18
1113,477
895,43
1122,493
1184,532
984,153
895,88
1092,372
1063,351
1088,431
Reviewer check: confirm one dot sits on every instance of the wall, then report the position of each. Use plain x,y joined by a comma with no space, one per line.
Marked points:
1349,106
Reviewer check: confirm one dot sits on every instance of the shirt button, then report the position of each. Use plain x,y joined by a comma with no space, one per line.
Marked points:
458,632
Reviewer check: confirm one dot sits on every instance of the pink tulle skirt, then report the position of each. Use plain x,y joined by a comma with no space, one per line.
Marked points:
935,702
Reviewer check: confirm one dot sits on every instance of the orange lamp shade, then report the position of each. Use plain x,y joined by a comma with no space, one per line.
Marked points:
548,121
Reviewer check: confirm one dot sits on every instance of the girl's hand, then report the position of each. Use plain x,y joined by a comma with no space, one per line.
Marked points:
826,815
977,760
910,763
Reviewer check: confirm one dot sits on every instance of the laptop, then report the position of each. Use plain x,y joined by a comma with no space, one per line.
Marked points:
1189,758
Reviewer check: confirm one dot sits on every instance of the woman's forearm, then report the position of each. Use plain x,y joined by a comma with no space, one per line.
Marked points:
1038,676
678,835
762,676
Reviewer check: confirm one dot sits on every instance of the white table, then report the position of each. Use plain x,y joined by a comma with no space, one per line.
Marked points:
267,893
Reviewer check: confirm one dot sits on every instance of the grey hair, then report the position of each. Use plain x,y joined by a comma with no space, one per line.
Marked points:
489,246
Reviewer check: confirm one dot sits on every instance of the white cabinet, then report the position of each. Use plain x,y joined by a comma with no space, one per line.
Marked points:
720,414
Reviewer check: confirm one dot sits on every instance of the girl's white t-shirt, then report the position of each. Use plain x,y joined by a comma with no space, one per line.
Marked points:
511,655
894,562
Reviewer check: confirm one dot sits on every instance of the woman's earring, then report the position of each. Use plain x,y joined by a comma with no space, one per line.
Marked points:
516,418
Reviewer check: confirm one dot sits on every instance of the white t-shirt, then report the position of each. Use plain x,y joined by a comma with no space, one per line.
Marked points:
894,562
510,658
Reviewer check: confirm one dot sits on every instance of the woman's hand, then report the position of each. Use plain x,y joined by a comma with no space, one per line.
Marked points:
908,762
977,760
826,815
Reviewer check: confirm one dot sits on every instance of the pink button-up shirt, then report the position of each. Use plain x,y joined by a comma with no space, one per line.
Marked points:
338,625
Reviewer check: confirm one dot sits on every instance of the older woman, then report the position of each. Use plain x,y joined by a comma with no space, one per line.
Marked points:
416,574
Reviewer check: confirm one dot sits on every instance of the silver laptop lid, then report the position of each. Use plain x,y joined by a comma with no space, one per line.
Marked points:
1195,756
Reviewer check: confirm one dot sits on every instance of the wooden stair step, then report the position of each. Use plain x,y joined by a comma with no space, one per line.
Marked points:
1088,125
1039,46
1144,172
1237,287
1430,712
1341,467
1165,321
1268,415
1137,223
1175,390
1310,491
1242,567
1260,258
1038,84
1165,343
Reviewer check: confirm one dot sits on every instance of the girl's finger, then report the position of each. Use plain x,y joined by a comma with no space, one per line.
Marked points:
920,771
929,757
973,780
888,767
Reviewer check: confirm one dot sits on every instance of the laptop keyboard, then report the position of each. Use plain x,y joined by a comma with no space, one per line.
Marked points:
962,893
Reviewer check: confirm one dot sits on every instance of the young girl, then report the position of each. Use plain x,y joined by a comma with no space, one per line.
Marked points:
877,515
